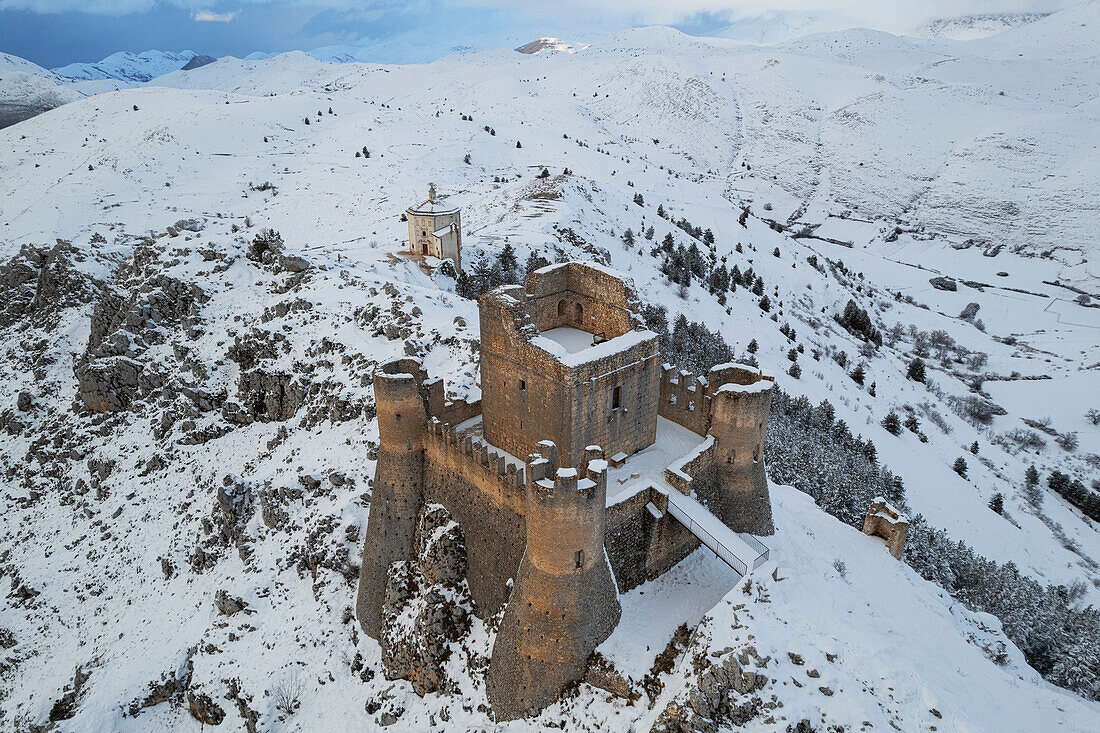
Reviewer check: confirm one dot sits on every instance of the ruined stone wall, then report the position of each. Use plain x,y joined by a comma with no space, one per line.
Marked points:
885,521
606,303
684,400
642,546
486,496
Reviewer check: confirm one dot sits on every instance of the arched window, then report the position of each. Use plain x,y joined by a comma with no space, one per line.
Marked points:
729,456
756,454
578,313
561,307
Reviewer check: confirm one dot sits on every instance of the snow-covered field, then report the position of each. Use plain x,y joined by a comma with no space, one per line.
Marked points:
245,465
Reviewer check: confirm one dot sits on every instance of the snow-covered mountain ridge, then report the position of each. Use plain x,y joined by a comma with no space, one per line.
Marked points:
236,465
129,66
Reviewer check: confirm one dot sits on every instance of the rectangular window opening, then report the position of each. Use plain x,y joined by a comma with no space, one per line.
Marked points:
616,398
578,559
523,385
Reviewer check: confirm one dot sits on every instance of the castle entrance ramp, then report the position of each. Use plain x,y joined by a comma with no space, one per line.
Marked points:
742,552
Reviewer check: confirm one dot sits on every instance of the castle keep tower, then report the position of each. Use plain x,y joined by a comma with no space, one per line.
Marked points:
565,602
435,229
398,479
566,358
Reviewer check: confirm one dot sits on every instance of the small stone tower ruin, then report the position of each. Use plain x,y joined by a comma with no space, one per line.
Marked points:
435,229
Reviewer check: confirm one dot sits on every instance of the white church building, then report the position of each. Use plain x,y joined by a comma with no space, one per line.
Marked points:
435,229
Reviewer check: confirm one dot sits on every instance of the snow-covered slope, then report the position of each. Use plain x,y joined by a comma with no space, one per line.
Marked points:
128,66
241,457
27,89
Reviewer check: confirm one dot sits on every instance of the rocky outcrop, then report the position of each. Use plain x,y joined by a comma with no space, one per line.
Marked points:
142,308
721,697
944,283
40,282
427,604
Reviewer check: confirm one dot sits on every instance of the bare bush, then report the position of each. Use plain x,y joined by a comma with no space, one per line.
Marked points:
287,695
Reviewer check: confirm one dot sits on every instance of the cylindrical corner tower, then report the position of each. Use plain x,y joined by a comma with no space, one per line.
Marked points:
740,403
564,603
398,495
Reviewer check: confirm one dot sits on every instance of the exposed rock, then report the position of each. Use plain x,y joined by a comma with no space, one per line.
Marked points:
40,282
267,396
944,283
969,311
226,604
141,309
204,709
65,707
251,717
601,673
427,604
291,263
170,687
723,696
23,401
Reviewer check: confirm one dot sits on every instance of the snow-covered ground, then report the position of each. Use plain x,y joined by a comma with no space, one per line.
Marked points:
856,133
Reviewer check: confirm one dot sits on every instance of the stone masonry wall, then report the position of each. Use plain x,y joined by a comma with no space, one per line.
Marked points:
640,546
487,504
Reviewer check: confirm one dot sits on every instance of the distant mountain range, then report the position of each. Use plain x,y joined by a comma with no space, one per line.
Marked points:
133,67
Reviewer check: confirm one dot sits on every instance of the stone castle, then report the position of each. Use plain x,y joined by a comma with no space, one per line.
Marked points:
435,229
585,469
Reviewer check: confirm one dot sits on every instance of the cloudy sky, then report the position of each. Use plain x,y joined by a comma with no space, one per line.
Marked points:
55,32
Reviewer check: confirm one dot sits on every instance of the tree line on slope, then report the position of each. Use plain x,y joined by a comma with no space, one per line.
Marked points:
808,448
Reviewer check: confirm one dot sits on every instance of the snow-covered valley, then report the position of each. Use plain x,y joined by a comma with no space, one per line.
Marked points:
200,540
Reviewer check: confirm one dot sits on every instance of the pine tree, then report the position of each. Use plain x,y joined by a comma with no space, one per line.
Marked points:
1032,493
534,262
997,503
518,144
545,173
765,304
960,466
974,447
628,238
916,370
639,199
649,233
795,370
858,375
708,236
661,211
508,263
912,424
792,355
753,346
892,423
466,159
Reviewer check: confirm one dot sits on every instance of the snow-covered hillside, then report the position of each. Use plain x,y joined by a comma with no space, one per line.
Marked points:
193,552
26,90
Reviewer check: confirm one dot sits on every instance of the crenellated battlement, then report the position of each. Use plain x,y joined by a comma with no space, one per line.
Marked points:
476,456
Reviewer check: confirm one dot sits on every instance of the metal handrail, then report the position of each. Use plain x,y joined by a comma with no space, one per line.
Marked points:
715,545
